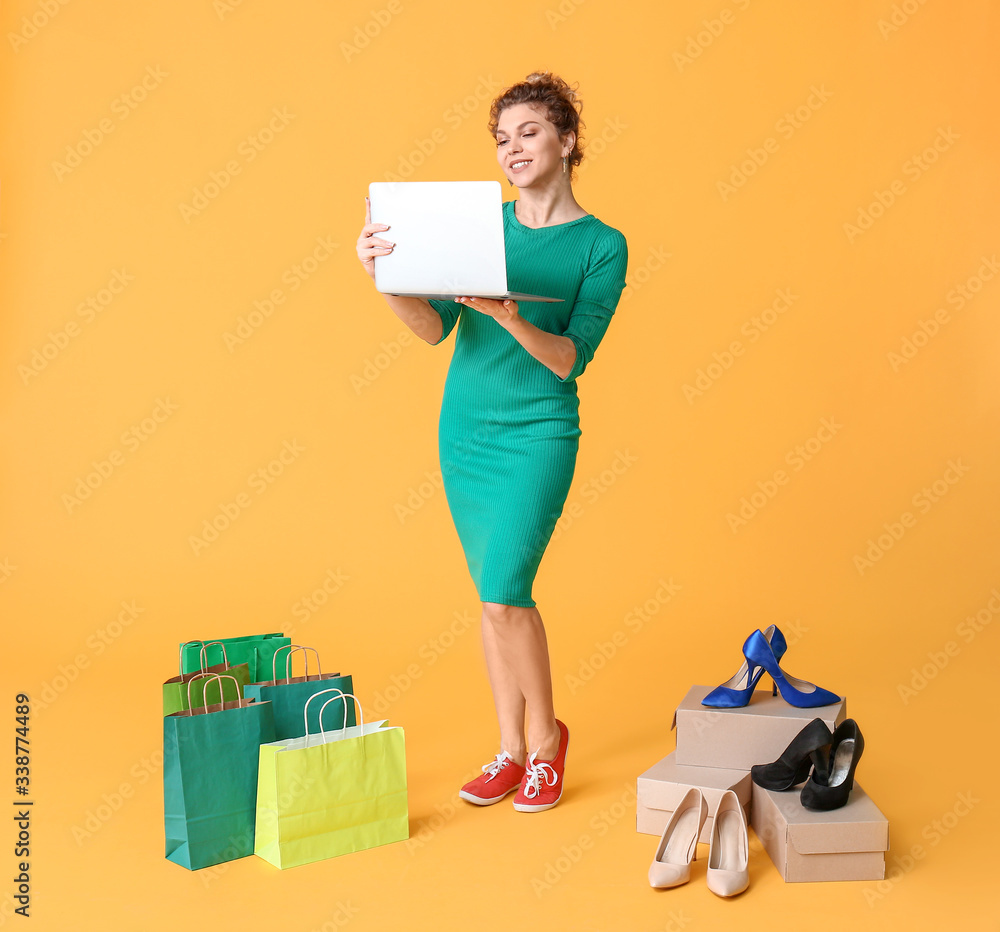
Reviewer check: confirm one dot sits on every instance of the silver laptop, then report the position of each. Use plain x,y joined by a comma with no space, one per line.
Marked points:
449,240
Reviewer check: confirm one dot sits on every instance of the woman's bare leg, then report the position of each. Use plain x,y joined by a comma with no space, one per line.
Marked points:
516,635
507,696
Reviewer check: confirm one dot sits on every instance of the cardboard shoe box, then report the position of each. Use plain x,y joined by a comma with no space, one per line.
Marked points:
661,788
736,739
845,844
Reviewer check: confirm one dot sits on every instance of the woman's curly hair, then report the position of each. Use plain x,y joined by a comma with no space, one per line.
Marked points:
554,97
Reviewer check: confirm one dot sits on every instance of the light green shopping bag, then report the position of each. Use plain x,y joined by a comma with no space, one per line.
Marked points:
331,793
176,689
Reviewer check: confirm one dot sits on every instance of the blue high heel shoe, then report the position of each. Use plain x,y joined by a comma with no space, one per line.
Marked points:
737,690
799,693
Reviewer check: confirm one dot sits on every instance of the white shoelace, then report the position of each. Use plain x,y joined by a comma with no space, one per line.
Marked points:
495,766
534,775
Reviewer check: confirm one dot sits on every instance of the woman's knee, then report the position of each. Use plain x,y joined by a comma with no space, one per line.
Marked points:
501,615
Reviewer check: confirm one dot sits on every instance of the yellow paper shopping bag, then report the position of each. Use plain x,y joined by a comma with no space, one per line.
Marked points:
332,792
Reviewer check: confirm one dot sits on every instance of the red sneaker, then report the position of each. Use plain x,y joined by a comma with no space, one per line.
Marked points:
500,776
543,780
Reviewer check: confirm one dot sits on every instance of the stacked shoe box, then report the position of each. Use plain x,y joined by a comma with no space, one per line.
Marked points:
715,749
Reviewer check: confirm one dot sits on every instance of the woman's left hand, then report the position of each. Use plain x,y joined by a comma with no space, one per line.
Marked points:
501,311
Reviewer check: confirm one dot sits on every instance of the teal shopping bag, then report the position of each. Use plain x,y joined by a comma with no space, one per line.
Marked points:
289,696
255,650
210,761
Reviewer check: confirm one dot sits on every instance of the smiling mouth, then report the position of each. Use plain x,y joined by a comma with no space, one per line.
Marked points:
519,164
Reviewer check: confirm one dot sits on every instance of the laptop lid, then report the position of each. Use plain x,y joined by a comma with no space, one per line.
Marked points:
449,239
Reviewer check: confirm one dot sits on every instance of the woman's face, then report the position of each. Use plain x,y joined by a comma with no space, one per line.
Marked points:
524,135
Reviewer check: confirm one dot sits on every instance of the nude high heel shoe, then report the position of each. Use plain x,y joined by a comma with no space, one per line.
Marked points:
679,842
728,854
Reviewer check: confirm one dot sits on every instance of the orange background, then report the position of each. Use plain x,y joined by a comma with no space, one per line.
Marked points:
875,115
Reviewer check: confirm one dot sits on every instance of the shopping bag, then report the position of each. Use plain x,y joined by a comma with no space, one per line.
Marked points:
255,650
210,761
175,691
331,793
289,695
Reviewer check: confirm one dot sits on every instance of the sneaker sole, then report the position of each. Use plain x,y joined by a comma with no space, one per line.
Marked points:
540,807
485,801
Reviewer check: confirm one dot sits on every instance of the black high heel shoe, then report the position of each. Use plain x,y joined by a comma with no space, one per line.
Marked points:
830,787
792,767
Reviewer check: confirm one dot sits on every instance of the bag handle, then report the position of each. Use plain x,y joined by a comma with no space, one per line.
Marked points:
305,651
305,710
180,656
222,698
274,660
361,714
203,655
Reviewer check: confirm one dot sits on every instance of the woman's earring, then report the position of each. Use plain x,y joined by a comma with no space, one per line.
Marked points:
511,183
565,160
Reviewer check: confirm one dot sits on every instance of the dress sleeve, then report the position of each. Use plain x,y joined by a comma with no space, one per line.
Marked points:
448,309
597,299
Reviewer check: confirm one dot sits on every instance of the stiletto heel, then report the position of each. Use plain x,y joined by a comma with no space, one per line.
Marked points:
679,842
792,767
800,693
728,854
737,690
830,787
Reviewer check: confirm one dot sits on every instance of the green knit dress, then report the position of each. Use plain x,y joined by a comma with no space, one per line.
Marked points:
509,428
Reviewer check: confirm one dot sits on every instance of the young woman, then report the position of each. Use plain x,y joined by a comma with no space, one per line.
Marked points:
509,427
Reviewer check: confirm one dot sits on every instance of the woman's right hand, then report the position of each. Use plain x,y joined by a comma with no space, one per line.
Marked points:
369,245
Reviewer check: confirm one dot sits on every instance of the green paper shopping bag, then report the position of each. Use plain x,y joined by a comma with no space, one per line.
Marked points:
210,761
289,696
175,690
255,650
331,793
